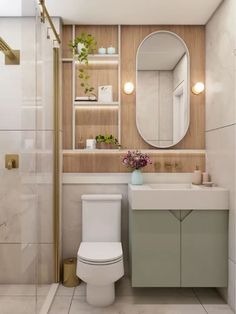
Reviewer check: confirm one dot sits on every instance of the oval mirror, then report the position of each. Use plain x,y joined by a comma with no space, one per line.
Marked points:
162,89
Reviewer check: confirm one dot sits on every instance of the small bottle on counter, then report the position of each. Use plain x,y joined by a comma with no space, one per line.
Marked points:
205,177
197,176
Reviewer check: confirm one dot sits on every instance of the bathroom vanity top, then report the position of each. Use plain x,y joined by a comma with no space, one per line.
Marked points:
176,196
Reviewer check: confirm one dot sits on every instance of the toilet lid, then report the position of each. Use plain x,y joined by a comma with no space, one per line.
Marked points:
100,252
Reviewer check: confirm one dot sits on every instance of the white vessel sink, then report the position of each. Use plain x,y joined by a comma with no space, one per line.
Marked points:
177,196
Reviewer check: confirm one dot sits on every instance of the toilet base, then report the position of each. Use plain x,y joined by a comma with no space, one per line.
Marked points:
100,295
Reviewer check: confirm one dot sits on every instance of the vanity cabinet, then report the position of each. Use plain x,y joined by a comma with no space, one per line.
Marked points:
204,249
155,249
178,248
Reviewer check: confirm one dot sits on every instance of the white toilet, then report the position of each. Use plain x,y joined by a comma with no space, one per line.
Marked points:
100,255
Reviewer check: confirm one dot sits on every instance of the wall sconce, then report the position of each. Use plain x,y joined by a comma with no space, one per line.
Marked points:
198,88
128,88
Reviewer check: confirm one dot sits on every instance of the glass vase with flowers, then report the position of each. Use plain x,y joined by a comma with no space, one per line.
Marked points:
136,160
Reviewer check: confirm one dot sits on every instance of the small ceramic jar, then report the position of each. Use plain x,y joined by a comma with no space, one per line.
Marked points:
102,51
111,50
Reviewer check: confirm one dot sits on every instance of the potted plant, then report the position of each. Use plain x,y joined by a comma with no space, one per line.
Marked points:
107,142
136,160
82,46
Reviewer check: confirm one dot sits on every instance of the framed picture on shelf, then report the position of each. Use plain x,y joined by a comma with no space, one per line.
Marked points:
105,94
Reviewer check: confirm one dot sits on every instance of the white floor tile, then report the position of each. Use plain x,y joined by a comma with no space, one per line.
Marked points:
80,290
125,305
218,309
208,296
61,305
65,291
17,305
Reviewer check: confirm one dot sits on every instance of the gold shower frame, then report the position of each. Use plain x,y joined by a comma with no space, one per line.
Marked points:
12,57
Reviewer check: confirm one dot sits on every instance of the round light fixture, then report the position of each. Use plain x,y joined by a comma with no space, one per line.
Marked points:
198,88
128,88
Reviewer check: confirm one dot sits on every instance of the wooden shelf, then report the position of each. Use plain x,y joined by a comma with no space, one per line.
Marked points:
102,58
85,119
79,104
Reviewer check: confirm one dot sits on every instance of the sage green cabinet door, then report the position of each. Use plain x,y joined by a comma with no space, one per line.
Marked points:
204,249
155,252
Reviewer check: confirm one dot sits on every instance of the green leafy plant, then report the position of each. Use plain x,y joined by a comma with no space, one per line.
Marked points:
87,45
100,138
108,141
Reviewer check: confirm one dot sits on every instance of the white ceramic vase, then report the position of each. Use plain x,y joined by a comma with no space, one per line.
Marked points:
80,46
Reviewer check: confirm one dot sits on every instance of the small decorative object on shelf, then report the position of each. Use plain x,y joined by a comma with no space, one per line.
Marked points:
107,142
136,160
105,94
102,51
90,143
82,46
86,98
111,50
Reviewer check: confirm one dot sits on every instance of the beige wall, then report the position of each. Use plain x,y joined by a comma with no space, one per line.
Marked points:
221,116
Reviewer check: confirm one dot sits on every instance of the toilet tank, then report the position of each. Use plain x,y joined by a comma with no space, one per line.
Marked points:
101,217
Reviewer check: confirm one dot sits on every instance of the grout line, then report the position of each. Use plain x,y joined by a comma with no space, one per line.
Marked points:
199,300
72,297
220,127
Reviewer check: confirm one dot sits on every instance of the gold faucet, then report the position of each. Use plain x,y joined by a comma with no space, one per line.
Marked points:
168,165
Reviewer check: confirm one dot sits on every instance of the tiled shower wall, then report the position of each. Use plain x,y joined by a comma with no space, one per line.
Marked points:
221,116
26,129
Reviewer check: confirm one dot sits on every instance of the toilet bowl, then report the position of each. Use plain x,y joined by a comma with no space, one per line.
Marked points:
100,264
100,256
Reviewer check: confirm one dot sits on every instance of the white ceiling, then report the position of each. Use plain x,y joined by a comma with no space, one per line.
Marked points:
133,11
160,51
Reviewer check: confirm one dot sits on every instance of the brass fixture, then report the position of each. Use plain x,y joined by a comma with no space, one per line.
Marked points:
11,161
56,164
168,165
157,165
45,15
12,57
178,165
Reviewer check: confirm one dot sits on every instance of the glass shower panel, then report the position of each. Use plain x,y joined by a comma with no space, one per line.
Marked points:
18,187
44,156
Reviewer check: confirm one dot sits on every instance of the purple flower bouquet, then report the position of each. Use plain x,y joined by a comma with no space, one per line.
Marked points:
136,160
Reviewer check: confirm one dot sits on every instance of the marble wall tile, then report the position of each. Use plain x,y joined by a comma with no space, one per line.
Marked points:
231,285
45,267
22,272
220,161
221,116
72,210
221,67
18,82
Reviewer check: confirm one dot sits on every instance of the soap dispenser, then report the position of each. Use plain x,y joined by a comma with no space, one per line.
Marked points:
197,176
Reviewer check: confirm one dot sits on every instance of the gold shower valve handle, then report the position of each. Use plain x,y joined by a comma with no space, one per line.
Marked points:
11,161
10,164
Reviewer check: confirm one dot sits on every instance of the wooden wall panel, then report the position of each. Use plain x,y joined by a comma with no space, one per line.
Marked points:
66,38
112,162
131,36
90,122
105,35
67,105
194,37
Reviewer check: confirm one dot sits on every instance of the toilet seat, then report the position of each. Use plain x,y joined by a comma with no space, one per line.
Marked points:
100,253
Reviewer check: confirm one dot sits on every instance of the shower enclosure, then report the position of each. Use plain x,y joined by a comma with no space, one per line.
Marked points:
30,191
